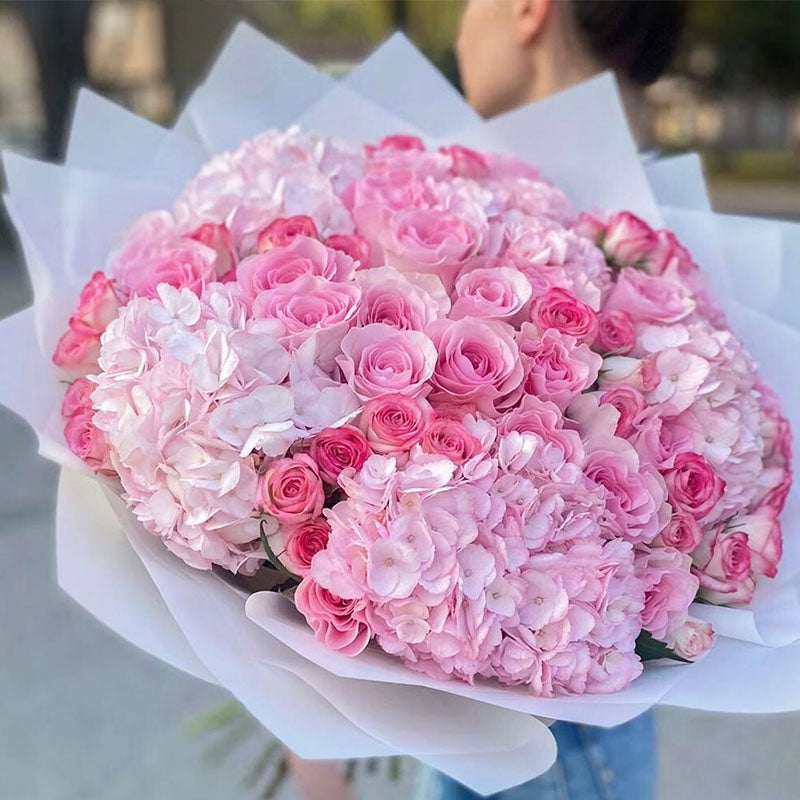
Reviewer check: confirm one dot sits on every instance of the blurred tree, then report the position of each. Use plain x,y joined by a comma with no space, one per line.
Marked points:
756,42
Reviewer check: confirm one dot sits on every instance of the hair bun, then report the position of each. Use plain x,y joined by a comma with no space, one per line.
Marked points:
636,37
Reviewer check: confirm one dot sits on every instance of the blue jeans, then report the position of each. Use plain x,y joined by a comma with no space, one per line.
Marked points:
593,764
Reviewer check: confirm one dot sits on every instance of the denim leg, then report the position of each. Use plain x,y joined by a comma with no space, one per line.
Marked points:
593,764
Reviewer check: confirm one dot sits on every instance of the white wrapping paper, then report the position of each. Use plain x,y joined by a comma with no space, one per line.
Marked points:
320,703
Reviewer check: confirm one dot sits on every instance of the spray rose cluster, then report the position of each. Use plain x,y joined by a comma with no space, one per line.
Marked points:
497,439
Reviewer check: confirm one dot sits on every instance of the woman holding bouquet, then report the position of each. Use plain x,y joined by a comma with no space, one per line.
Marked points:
511,52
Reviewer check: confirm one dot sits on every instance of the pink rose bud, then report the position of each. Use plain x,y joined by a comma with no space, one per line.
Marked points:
628,401
393,423
693,639
683,533
616,333
351,244
77,353
97,306
218,238
291,489
668,255
448,437
338,623
693,485
78,398
591,227
627,239
558,309
285,230
335,449
466,163
87,442
303,541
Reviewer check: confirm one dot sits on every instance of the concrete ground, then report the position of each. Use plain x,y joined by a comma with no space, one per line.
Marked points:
85,716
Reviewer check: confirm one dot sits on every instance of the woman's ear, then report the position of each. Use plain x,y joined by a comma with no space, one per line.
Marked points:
529,19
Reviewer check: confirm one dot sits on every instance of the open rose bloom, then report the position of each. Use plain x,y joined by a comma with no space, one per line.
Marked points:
408,443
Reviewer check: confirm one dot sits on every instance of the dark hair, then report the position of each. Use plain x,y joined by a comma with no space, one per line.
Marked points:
635,37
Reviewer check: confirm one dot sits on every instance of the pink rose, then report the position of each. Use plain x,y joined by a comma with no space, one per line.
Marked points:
397,142
732,594
764,539
640,373
723,562
669,587
693,639
406,302
628,401
668,255
291,489
429,240
77,353
627,240
616,333
302,542
351,244
219,239
591,227
378,359
660,439
282,265
335,449
465,163
184,264
478,361
557,367
78,398
693,485
558,309
86,441
98,304
449,438
393,423
649,298
383,190
282,232
635,494
545,420
683,533
307,305
339,624
498,292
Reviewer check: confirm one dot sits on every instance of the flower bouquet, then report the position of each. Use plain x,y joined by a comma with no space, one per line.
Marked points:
411,441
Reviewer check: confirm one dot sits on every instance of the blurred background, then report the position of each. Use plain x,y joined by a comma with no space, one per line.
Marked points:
83,714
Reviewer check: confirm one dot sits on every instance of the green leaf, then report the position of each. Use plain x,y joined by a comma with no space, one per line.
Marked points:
225,714
271,557
650,649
